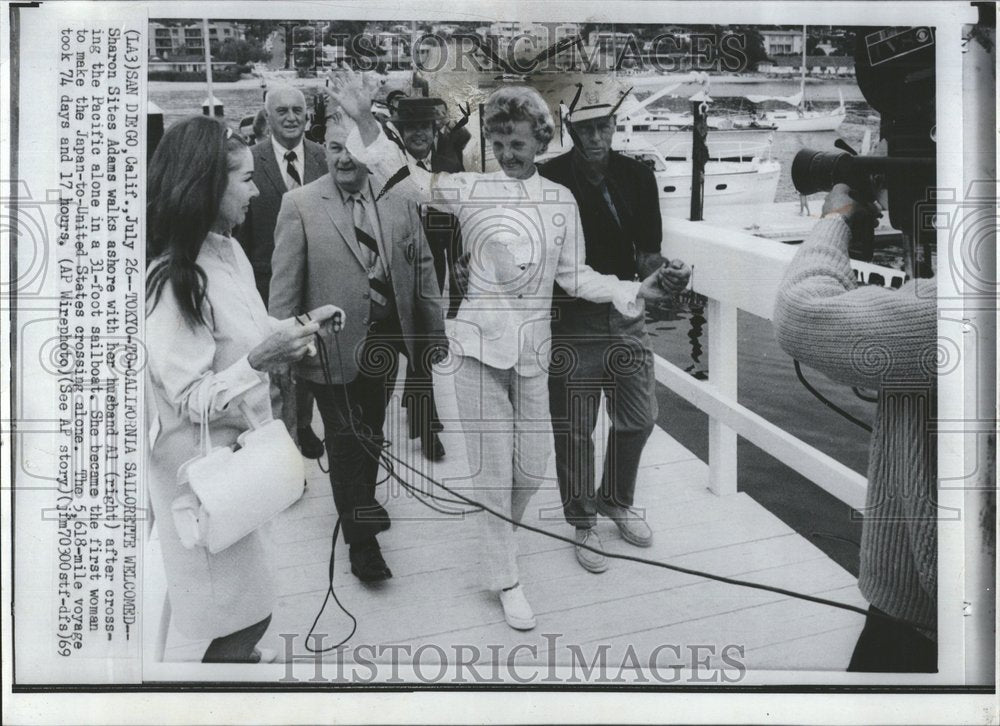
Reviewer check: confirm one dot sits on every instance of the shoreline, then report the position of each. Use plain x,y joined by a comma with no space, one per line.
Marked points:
719,79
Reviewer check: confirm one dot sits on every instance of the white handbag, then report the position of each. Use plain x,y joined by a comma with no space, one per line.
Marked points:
236,489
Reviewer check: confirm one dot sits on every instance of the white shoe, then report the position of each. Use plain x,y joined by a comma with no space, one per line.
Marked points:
592,561
516,610
630,523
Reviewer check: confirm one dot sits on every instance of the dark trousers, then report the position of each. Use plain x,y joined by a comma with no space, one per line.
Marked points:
418,396
885,646
353,416
296,402
444,238
296,398
445,243
303,405
236,647
582,366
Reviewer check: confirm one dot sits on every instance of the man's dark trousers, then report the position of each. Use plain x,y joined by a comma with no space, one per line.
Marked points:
595,349
620,216
445,241
353,418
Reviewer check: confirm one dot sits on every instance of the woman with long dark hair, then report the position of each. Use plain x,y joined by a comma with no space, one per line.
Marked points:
210,346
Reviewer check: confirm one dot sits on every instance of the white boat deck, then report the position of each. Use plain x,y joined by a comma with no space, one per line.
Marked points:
435,596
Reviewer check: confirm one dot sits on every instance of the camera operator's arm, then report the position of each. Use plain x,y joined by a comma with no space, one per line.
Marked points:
857,335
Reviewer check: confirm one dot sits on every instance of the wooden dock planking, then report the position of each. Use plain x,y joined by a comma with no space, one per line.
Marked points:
435,597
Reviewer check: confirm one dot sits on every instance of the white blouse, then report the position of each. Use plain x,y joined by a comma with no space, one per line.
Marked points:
522,236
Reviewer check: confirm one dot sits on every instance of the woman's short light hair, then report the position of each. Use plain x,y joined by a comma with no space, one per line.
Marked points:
506,106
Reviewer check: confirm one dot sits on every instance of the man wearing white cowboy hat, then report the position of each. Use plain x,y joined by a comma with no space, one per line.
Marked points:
620,214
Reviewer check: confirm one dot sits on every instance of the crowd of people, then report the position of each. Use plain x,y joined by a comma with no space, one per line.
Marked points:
537,295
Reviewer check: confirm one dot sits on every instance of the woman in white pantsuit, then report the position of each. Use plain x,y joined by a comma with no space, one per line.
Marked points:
522,234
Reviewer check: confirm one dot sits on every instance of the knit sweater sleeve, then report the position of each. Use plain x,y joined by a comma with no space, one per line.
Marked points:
862,336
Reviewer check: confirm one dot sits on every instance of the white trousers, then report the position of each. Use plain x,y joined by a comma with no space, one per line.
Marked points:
508,438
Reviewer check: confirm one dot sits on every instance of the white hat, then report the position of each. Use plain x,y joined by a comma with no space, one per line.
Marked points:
592,104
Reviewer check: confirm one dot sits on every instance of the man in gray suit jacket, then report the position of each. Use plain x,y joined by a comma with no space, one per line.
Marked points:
286,160
339,242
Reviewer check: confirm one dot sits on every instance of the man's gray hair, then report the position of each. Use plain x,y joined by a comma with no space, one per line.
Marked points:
278,89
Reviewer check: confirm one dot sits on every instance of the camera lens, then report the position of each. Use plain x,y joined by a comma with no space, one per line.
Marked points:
817,171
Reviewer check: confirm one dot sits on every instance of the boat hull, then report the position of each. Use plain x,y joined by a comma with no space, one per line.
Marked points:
726,187
731,144
808,121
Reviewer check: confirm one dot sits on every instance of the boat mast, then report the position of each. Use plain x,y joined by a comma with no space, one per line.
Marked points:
208,66
802,85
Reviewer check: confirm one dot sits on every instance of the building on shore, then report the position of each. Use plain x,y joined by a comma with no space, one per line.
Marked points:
168,40
782,42
817,66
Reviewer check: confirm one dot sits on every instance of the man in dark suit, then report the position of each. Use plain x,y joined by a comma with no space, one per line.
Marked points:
337,240
620,213
284,160
421,123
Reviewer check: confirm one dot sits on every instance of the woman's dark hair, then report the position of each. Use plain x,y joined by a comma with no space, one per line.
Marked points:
187,178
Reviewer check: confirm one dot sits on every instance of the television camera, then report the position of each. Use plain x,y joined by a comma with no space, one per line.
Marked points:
895,72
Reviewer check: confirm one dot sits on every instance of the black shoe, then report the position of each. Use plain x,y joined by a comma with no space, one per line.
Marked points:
367,563
432,447
310,446
374,514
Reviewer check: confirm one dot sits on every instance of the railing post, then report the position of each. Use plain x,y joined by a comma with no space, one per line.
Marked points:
980,378
722,367
699,155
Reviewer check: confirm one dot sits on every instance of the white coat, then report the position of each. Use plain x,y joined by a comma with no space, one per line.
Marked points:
191,369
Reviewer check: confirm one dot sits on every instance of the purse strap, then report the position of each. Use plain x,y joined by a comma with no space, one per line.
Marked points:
250,415
205,430
252,418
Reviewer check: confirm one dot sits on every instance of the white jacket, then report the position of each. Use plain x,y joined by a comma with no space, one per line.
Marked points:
522,236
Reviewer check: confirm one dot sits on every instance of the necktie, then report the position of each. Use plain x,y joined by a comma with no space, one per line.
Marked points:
423,165
290,157
378,279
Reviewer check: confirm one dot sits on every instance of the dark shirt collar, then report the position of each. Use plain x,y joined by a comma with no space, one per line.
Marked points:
586,171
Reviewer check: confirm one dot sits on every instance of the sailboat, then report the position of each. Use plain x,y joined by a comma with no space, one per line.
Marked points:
800,119
733,189
670,132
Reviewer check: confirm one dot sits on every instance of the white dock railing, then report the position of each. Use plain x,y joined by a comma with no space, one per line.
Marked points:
737,271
